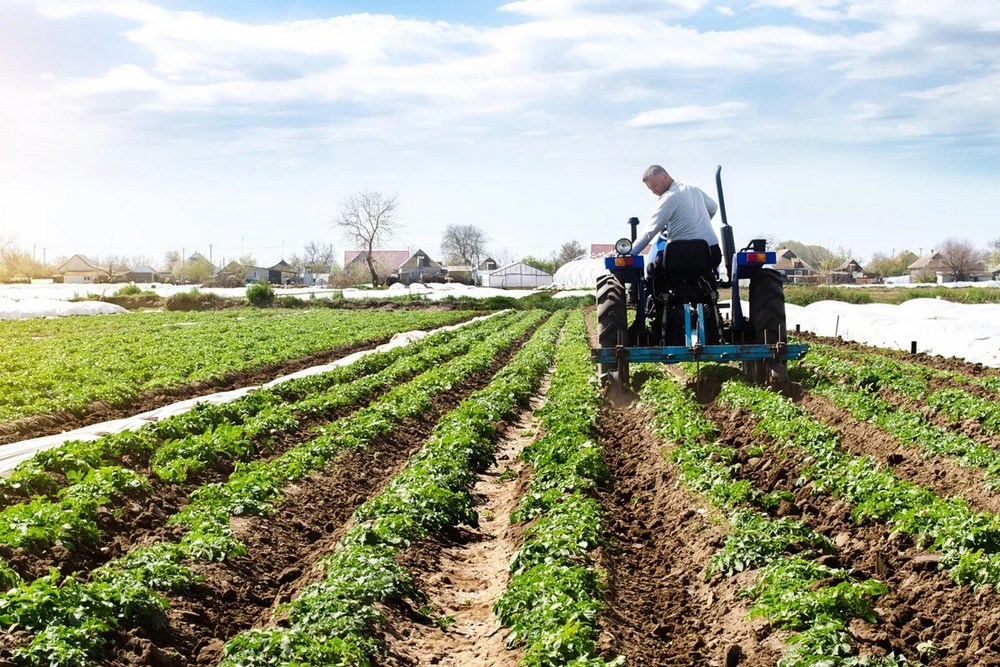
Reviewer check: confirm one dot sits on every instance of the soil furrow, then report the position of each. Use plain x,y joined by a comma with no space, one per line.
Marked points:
941,475
463,577
952,624
660,609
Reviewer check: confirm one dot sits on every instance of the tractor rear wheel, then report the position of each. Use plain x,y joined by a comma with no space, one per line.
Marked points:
612,326
767,321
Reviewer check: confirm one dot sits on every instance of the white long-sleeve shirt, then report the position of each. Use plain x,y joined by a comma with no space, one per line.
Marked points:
682,213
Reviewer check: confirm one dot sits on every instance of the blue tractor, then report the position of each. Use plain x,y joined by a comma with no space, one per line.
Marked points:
678,315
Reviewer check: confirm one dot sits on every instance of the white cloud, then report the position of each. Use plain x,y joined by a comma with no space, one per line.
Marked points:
685,114
552,8
818,10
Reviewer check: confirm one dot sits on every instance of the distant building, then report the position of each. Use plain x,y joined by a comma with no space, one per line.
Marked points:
935,267
395,265
517,274
995,272
144,274
282,273
847,273
488,264
79,269
926,267
794,269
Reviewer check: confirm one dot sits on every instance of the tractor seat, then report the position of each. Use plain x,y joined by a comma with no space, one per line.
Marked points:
684,262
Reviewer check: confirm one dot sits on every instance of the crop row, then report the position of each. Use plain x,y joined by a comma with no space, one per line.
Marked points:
71,618
554,595
874,372
794,589
860,397
71,517
334,621
969,542
255,413
54,365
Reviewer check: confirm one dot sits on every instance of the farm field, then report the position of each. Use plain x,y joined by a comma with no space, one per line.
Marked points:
471,499
87,369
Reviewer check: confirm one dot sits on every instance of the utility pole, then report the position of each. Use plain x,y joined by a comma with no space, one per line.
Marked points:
210,253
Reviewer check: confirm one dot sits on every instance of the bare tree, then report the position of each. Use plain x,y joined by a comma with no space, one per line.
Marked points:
367,219
247,260
316,255
463,244
961,258
568,252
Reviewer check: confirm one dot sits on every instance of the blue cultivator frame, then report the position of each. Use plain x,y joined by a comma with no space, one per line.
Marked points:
629,269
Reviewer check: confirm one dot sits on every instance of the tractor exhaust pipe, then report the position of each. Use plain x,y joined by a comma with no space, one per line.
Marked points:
728,243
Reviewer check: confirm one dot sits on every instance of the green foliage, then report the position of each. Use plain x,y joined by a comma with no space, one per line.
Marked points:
260,293
332,622
54,365
128,290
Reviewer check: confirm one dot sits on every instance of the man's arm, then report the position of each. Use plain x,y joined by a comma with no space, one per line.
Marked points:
709,204
655,223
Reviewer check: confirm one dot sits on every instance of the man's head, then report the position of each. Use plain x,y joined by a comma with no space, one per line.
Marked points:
657,179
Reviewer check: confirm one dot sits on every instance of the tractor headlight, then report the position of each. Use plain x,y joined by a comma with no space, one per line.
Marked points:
623,246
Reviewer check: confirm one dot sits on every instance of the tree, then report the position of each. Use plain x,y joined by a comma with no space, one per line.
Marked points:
567,253
317,256
547,265
367,219
247,260
961,258
885,266
463,244
993,256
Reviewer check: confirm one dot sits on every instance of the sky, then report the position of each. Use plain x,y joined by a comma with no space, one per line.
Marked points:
236,127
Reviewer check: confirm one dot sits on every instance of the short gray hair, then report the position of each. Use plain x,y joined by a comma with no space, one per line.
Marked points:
652,170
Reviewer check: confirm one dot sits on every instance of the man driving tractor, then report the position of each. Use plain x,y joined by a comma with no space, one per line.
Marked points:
682,213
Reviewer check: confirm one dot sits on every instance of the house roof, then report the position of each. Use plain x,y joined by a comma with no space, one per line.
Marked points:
787,259
935,260
385,259
849,265
995,269
487,260
143,268
79,263
283,266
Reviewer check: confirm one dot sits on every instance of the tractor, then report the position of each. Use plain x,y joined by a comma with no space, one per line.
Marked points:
678,315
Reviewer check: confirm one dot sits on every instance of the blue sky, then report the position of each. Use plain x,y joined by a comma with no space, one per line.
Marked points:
133,128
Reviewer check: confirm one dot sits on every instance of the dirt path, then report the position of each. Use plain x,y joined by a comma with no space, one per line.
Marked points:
463,579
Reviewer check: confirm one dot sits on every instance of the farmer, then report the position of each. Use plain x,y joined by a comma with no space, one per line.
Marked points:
682,213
